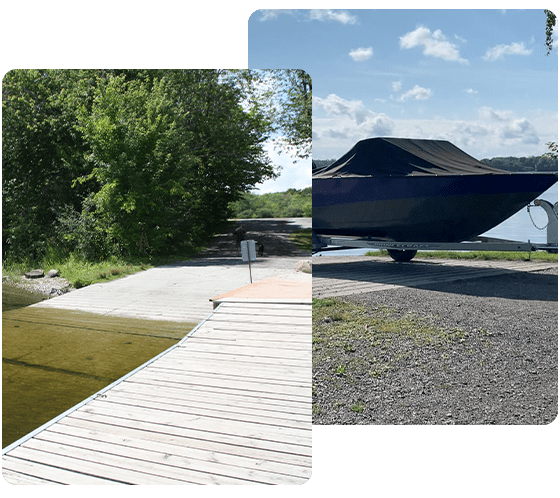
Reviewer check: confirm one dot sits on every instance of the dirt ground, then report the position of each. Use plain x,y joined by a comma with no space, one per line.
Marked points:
274,233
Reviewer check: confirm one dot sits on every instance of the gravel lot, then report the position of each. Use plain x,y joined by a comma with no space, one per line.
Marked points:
495,359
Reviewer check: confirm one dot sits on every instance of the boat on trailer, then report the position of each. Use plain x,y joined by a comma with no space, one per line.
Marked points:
393,190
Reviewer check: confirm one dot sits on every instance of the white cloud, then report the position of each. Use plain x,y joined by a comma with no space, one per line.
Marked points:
471,91
396,86
334,105
348,122
416,93
341,16
361,54
494,132
435,44
499,51
270,14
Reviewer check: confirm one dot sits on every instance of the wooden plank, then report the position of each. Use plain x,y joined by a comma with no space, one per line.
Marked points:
19,478
39,464
224,454
249,318
257,388
229,369
254,378
207,424
220,397
255,342
203,410
219,403
232,349
225,324
242,359
251,305
91,462
271,314
278,451
297,336
202,466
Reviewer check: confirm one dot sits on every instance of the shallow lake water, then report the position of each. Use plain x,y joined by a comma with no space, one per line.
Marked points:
54,359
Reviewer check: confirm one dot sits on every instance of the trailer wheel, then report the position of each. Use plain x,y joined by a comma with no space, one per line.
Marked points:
402,256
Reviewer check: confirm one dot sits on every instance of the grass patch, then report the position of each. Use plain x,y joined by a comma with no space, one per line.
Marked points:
357,407
479,255
302,239
353,342
81,272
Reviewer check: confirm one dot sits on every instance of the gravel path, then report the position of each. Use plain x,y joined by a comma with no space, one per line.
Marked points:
495,361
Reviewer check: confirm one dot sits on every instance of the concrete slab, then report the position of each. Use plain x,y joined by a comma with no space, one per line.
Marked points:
178,292
347,275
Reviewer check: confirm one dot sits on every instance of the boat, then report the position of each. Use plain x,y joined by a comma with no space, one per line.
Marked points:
400,189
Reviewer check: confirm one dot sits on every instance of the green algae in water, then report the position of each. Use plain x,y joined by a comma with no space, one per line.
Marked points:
13,297
53,359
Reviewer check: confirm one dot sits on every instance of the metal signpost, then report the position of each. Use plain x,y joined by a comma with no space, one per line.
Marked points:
248,253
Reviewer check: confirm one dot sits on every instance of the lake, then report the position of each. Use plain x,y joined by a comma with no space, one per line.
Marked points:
518,227
53,359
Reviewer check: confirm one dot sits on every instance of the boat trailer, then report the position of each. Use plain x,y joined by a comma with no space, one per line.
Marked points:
405,251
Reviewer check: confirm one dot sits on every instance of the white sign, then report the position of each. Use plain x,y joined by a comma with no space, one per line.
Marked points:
248,251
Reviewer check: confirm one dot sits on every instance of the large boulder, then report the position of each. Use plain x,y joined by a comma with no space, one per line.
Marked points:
51,274
35,274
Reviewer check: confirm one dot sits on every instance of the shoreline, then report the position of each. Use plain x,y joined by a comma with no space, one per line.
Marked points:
47,287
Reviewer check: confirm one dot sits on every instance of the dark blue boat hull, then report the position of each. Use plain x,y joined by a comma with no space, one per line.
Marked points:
422,208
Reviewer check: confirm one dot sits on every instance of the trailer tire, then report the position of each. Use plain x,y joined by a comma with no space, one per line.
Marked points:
402,256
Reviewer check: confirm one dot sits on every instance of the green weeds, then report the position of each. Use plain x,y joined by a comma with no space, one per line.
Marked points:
479,255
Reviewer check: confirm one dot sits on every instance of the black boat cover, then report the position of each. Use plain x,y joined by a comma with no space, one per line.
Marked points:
404,157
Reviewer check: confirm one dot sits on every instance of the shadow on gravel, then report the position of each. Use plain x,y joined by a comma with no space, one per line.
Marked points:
508,284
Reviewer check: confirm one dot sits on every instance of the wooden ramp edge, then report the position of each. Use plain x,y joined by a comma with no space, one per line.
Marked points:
229,404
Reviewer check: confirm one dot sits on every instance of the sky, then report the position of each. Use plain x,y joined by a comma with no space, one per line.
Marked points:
478,78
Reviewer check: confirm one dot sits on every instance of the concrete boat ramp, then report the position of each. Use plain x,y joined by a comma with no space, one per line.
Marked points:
229,404
337,276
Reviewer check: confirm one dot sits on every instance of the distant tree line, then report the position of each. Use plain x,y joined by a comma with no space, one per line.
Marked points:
533,163
131,162
292,203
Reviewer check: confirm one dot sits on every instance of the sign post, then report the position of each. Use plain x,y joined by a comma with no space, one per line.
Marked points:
248,253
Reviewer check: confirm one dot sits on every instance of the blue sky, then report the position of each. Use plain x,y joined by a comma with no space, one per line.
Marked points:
479,78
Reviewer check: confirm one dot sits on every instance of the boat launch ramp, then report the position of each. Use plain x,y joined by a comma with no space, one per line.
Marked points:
228,404
336,276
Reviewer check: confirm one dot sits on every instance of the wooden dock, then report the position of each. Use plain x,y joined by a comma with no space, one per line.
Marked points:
229,404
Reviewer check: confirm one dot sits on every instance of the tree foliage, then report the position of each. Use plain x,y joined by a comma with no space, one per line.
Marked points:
125,161
284,98
549,28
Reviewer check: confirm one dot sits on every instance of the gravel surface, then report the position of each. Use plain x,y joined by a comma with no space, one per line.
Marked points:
274,233
45,286
494,359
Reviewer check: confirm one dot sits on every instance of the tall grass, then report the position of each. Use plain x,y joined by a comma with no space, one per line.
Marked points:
78,270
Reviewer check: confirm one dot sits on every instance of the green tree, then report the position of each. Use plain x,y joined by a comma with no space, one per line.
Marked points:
284,97
129,161
549,28
41,156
